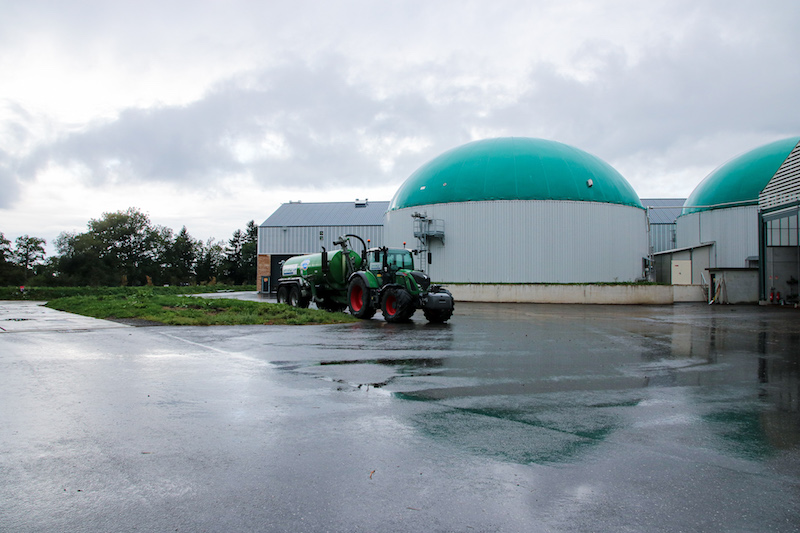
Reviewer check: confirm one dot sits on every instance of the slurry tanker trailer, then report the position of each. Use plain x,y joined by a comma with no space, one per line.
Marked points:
379,278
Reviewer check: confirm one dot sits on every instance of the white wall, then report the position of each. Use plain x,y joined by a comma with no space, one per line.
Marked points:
734,231
578,294
298,240
522,241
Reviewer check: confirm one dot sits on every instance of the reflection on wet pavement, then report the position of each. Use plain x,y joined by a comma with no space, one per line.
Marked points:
544,384
509,418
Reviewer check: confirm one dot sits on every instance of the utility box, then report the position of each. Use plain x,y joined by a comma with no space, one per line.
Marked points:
681,272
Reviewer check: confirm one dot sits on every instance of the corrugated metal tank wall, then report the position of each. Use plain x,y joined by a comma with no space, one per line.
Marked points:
687,230
305,239
662,237
530,241
734,231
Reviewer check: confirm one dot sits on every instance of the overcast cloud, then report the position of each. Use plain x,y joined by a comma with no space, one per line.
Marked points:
210,114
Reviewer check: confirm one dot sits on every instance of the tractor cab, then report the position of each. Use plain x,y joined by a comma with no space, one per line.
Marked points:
389,260
391,264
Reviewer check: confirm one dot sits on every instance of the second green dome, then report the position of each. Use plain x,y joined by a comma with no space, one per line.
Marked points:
739,181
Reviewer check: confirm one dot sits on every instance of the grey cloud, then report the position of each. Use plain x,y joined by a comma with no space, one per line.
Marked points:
15,134
323,118
9,187
697,87
701,86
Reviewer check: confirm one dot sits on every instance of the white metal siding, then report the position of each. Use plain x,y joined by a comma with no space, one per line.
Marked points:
687,230
733,230
662,237
305,239
530,241
784,187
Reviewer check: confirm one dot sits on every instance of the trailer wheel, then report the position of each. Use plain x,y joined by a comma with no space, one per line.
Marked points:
283,294
397,305
358,298
303,301
296,298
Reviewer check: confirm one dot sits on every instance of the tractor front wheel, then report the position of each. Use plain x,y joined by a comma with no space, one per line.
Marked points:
358,299
397,305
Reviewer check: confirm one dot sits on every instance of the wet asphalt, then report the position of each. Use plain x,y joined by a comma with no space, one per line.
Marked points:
521,417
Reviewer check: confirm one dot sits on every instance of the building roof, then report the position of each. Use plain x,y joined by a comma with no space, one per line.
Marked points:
739,181
328,214
514,168
665,210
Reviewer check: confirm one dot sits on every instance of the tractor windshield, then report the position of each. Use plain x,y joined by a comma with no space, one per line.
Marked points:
398,259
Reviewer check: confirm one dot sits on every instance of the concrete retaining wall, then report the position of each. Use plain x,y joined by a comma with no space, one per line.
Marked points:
577,294
688,293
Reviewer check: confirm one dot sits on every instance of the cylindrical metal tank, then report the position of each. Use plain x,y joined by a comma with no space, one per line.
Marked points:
520,210
310,267
723,208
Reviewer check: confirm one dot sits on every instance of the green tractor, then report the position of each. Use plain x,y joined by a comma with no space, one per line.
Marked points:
379,278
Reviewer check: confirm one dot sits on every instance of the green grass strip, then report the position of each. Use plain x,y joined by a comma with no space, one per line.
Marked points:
51,293
191,311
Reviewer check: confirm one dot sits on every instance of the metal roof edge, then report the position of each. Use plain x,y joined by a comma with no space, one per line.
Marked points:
705,208
641,208
701,245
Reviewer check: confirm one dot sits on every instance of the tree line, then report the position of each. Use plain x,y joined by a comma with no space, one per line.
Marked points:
126,248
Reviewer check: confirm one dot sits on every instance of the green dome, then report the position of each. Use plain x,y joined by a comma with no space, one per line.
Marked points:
514,168
739,181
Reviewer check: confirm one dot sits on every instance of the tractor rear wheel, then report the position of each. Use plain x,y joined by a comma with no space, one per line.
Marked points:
358,297
397,305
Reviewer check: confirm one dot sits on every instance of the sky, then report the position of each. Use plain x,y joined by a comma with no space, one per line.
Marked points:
211,113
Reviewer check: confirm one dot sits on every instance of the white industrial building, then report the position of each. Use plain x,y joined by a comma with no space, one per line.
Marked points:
520,211
717,234
779,235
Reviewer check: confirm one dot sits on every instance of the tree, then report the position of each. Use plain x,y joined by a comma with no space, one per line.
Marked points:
181,258
128,242
241,254
28,253
5,248
80,263
124,247
233,257
250,253
120,247
210,261
10,274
